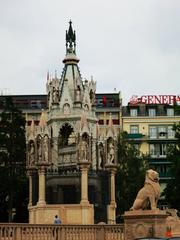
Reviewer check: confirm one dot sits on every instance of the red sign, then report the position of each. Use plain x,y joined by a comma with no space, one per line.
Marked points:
155,99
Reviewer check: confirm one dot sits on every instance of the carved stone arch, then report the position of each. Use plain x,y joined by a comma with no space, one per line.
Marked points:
85,137
66,136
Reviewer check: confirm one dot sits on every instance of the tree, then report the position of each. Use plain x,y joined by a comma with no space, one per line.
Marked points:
13,180
130,174
172,189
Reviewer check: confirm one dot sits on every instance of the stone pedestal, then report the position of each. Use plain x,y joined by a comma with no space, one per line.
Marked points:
144,223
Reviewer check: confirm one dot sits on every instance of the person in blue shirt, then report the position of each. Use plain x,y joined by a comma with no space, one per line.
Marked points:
57,220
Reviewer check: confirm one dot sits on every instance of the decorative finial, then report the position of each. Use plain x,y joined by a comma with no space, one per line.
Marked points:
70,39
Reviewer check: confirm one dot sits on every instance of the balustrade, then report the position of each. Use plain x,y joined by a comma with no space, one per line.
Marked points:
61,232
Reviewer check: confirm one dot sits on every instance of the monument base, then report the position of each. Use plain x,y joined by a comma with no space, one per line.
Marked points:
173,222
68,213
144,223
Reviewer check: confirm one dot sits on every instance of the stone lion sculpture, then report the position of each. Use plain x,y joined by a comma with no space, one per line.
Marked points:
149,194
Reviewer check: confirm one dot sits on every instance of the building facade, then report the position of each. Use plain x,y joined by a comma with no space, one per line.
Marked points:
148,120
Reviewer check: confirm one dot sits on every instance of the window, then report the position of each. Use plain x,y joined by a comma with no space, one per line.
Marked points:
163,149
133,112
162,132
170,111
171,133
134,129
116,121
154,150
101,122
158,150
152,132
152,112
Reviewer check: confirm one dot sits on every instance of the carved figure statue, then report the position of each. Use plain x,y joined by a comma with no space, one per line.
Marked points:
31,153
55,95
92,96
83,151
39,150
148,195
46,148
101,156
111,153
78,94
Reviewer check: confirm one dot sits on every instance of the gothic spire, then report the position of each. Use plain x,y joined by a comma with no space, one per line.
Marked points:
70,40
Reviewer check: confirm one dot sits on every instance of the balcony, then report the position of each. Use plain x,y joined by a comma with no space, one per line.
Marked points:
163,175
135,136
162,139
158,155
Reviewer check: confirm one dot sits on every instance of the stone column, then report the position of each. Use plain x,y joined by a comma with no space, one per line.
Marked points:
84,166
112,186
111,208
30,188
41,172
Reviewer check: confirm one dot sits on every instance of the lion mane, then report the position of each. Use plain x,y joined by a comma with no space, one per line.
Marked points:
148,196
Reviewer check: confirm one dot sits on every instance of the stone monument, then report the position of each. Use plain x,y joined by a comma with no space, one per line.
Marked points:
68,166
144,218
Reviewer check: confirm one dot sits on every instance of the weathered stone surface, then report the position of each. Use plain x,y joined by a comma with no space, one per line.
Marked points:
145,223
148,195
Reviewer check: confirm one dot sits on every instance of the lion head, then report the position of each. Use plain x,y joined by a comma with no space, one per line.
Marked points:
151,176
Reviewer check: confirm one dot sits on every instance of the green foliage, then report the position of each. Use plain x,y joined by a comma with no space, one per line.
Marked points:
13,180
172,191
130,175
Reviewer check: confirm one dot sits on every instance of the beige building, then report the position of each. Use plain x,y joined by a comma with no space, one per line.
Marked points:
149,125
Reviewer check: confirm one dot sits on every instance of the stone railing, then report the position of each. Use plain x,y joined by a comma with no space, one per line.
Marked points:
61,232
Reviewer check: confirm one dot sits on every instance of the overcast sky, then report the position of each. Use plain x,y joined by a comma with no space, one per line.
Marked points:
130,45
